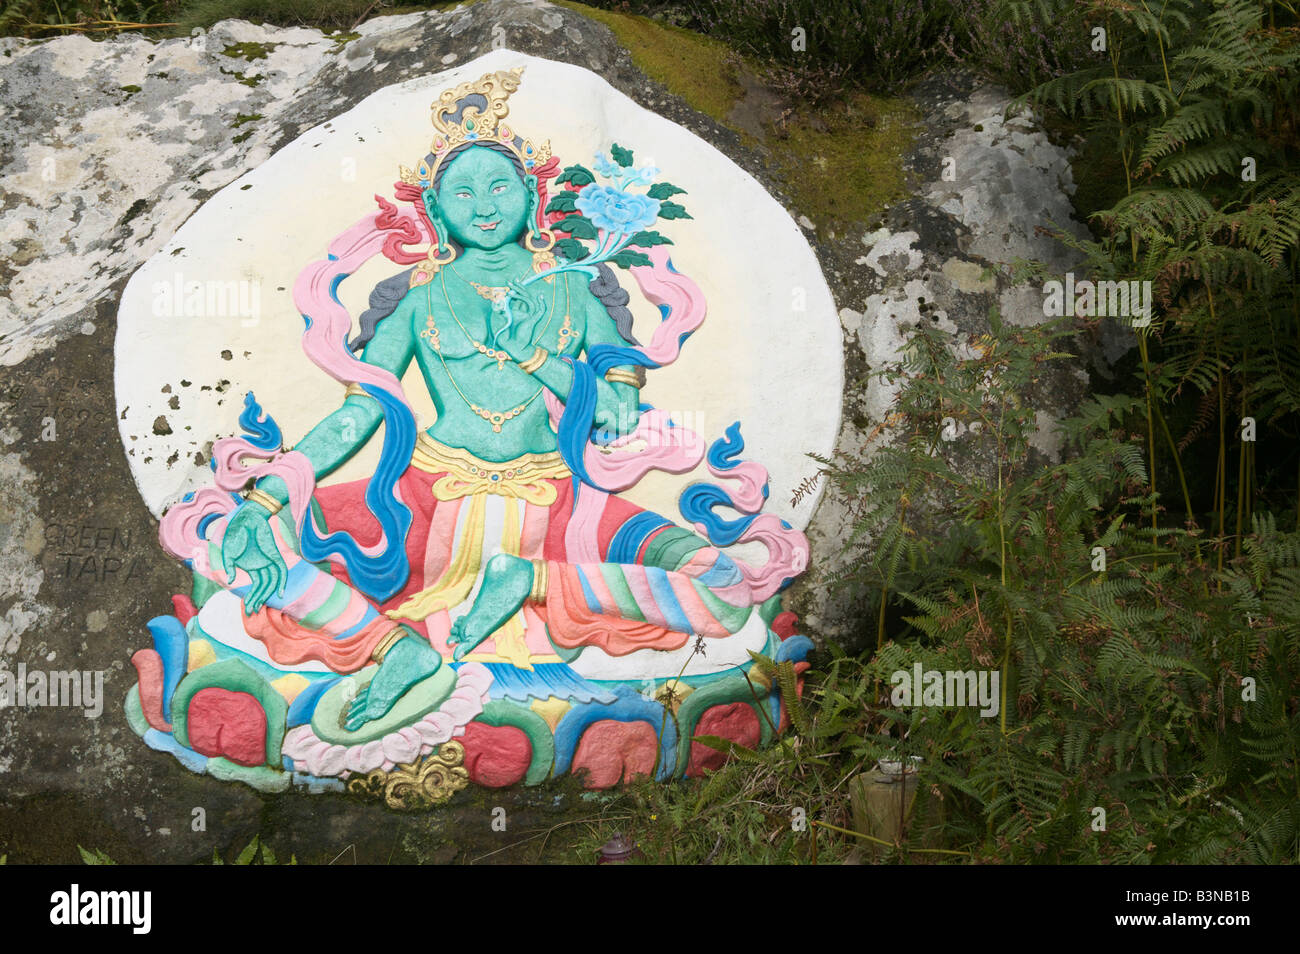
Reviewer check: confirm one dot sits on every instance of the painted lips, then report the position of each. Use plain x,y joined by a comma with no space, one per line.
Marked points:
488,227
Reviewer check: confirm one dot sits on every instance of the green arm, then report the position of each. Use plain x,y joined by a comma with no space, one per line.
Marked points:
343,432
555,374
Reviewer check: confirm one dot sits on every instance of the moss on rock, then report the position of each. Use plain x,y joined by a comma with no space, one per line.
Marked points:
700,70
844,163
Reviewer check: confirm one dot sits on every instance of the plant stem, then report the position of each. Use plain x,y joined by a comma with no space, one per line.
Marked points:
886,844
1242,491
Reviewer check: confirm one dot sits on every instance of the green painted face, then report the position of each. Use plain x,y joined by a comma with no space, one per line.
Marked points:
481,199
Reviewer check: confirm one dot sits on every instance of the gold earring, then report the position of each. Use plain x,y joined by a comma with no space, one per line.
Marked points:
549,240
425,271
543,257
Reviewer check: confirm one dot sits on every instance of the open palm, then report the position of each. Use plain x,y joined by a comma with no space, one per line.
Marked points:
249,545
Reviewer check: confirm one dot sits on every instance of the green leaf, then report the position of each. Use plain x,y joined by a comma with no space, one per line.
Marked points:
246,856
727,747
578,175
95,857
646,239
764,664
671,210
620,155
663,190
565,201
628,258
570,250
788,681
577,226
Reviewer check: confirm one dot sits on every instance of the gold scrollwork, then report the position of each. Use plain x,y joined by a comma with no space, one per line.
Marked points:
419,785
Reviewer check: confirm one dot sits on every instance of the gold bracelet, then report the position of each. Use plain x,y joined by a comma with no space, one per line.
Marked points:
266,500
354,390
536,361
619,376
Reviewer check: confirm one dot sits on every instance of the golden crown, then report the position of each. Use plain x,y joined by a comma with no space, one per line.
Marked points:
474,112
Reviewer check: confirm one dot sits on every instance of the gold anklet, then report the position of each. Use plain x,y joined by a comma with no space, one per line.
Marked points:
387,643
541,577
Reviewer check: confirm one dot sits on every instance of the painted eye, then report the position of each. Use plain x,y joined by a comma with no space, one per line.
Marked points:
463,195
499,189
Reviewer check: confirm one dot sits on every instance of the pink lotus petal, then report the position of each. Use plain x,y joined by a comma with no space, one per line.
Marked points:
398,748
331,761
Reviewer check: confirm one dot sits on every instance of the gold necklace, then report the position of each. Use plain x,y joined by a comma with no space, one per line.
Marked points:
495,418
566,330
500,357
493,293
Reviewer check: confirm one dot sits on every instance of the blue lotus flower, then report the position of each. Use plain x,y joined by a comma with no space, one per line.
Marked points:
643,176
606,166
616,211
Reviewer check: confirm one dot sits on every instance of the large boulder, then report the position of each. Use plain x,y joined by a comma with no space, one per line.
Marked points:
107,148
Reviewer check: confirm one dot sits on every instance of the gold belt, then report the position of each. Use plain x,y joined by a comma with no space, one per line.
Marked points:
526,477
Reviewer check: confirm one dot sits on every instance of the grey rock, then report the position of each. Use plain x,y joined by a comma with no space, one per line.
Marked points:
107,147
982,185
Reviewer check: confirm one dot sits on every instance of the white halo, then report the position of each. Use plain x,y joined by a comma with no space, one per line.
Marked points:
769,353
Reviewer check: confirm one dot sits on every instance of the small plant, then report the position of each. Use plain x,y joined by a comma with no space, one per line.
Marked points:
815,50
1020,43
1146,710
256,852
95,857
1199,102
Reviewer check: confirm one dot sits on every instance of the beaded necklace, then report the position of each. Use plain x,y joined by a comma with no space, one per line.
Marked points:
500,357
430,333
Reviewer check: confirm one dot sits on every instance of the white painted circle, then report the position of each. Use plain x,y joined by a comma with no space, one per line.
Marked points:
768,355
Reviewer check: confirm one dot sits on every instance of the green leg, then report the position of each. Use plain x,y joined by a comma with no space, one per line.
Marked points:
507,581
409,660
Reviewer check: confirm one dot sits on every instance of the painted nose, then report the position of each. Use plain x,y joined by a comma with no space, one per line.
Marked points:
485,207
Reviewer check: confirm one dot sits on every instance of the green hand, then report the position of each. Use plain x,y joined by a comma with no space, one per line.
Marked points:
249,545
525,311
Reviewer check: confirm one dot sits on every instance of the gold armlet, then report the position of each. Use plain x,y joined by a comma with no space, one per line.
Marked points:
536,361
619,376
265,499
354,390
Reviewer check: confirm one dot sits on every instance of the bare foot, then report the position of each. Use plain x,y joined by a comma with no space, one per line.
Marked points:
507,581
409,660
